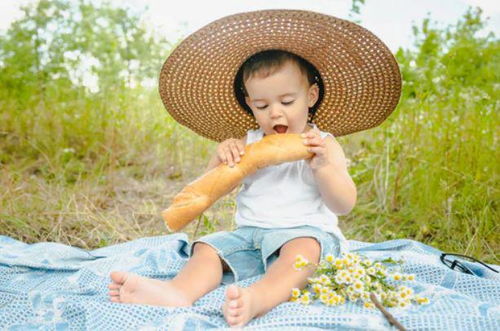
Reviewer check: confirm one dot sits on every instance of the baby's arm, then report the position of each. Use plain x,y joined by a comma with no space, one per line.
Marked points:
335,184
228,151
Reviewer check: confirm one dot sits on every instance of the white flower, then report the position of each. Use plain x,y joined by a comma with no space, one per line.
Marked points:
316,288
421,300
325,280
360,271
358,286
350,256
369,305
403,304
325,290
338,263
305,299
339,278
397,276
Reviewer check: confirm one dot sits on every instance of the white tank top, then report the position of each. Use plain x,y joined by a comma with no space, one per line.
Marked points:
284,195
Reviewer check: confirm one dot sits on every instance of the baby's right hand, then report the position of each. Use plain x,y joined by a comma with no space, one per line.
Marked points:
230,150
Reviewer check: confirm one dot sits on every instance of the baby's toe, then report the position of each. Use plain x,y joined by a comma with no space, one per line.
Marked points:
114,286
114,293
233,304
233,292
115,299
236,303
119,277
235,312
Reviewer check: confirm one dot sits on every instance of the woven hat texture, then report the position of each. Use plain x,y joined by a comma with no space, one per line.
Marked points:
360,77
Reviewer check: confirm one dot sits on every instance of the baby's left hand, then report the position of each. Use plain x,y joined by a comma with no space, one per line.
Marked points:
316,145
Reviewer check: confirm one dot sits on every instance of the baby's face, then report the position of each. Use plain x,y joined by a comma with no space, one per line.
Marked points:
281,101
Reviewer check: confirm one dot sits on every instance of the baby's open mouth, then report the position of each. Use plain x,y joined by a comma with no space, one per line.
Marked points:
280,128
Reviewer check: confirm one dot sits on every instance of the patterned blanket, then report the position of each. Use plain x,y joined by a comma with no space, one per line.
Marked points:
49,286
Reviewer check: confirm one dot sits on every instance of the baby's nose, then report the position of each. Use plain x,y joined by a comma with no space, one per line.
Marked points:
276,111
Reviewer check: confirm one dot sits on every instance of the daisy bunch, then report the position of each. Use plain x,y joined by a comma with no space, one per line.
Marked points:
353,277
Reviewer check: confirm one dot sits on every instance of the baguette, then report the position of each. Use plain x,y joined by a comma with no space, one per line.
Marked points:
199,195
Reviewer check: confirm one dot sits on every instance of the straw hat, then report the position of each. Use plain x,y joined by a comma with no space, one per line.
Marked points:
359,75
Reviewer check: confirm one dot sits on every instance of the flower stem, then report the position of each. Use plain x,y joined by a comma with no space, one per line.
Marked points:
387,315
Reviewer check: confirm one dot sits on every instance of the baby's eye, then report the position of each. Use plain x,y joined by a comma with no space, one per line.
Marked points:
284,103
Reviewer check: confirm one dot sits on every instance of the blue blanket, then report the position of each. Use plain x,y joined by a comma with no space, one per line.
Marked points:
49,286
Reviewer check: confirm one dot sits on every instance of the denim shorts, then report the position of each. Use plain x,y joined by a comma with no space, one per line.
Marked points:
249,250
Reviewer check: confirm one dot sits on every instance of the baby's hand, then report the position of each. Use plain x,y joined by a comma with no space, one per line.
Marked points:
229,151
316,145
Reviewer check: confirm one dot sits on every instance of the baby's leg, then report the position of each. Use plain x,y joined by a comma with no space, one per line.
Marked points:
243,304
201,274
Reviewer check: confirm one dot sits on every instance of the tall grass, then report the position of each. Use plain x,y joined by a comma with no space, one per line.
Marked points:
430,172
89,172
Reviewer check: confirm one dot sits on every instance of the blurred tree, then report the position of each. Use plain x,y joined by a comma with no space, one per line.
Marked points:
73,74
448,61
355,10
67,45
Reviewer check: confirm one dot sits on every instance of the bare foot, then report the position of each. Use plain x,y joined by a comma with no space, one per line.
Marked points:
241,306
131,288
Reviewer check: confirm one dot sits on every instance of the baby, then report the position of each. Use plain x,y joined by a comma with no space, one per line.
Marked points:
282,210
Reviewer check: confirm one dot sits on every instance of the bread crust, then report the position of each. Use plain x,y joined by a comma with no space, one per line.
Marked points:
203,192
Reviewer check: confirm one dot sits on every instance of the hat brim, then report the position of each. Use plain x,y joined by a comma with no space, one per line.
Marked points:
361,78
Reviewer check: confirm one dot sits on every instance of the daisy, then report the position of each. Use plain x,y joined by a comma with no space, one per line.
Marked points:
295,292
369,305
305,299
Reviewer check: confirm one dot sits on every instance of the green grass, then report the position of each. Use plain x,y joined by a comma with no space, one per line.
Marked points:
412,181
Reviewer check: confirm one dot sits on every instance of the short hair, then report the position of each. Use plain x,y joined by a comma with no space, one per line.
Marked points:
266,63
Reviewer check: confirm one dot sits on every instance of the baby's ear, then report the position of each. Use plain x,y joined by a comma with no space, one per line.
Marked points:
313,94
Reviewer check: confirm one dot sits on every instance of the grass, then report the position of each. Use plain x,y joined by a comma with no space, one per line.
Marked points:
411,184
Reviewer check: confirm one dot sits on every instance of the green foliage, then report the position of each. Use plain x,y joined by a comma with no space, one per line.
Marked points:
73,88
356,10
430,171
